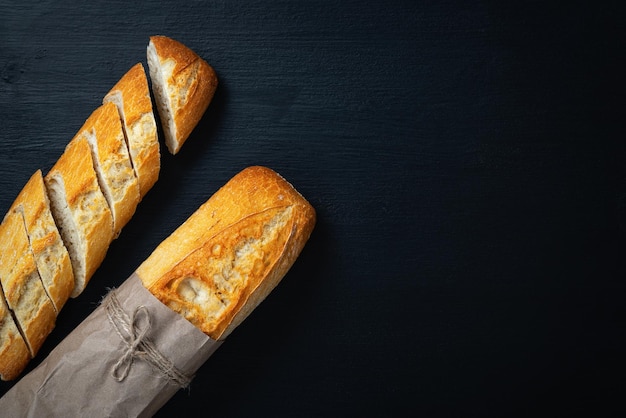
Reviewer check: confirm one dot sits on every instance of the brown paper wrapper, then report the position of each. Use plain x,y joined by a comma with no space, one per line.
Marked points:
95,372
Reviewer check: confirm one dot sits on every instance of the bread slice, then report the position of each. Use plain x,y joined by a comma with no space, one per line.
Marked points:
80,210
24,292
227,257
103,130
183,85
131,95
14,354
51,256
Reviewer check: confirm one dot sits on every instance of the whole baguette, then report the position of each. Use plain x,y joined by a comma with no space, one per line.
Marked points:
183,85
229,255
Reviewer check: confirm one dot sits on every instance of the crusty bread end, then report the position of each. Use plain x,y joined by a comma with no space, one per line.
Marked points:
227,257
183,85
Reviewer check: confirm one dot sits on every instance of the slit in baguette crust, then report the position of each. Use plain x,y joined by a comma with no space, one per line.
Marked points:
20,213
159,88
14,354
118,101
68,229
131,95
54,267
34,312
183,85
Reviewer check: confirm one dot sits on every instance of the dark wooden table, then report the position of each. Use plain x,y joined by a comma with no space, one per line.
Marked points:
467,161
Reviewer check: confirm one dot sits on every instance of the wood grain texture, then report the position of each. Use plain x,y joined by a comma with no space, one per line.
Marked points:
466,161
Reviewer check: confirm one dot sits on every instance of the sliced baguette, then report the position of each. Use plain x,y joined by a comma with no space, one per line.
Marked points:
90,194
131,95
14,354
23,290
51,256
183,85
80,210
227,257
103,130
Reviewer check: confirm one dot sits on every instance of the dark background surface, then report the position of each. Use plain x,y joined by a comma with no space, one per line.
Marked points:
467,163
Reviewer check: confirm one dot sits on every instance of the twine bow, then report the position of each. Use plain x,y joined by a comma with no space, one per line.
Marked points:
133,333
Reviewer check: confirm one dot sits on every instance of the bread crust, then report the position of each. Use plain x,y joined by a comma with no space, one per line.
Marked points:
131,94
23,290
14,354
114,171
255,227
51,256
74,170
189,85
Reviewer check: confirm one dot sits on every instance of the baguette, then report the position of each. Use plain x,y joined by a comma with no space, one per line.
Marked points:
51,256
25,295
228,256
58,231
131,95
183,85
80,210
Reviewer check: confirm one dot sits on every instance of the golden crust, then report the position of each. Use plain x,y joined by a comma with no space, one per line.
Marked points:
23,290
225,259
14,354
117,178
132,96
190,86
51,256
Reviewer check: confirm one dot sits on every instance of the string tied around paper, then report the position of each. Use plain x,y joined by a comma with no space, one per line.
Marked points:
133,331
